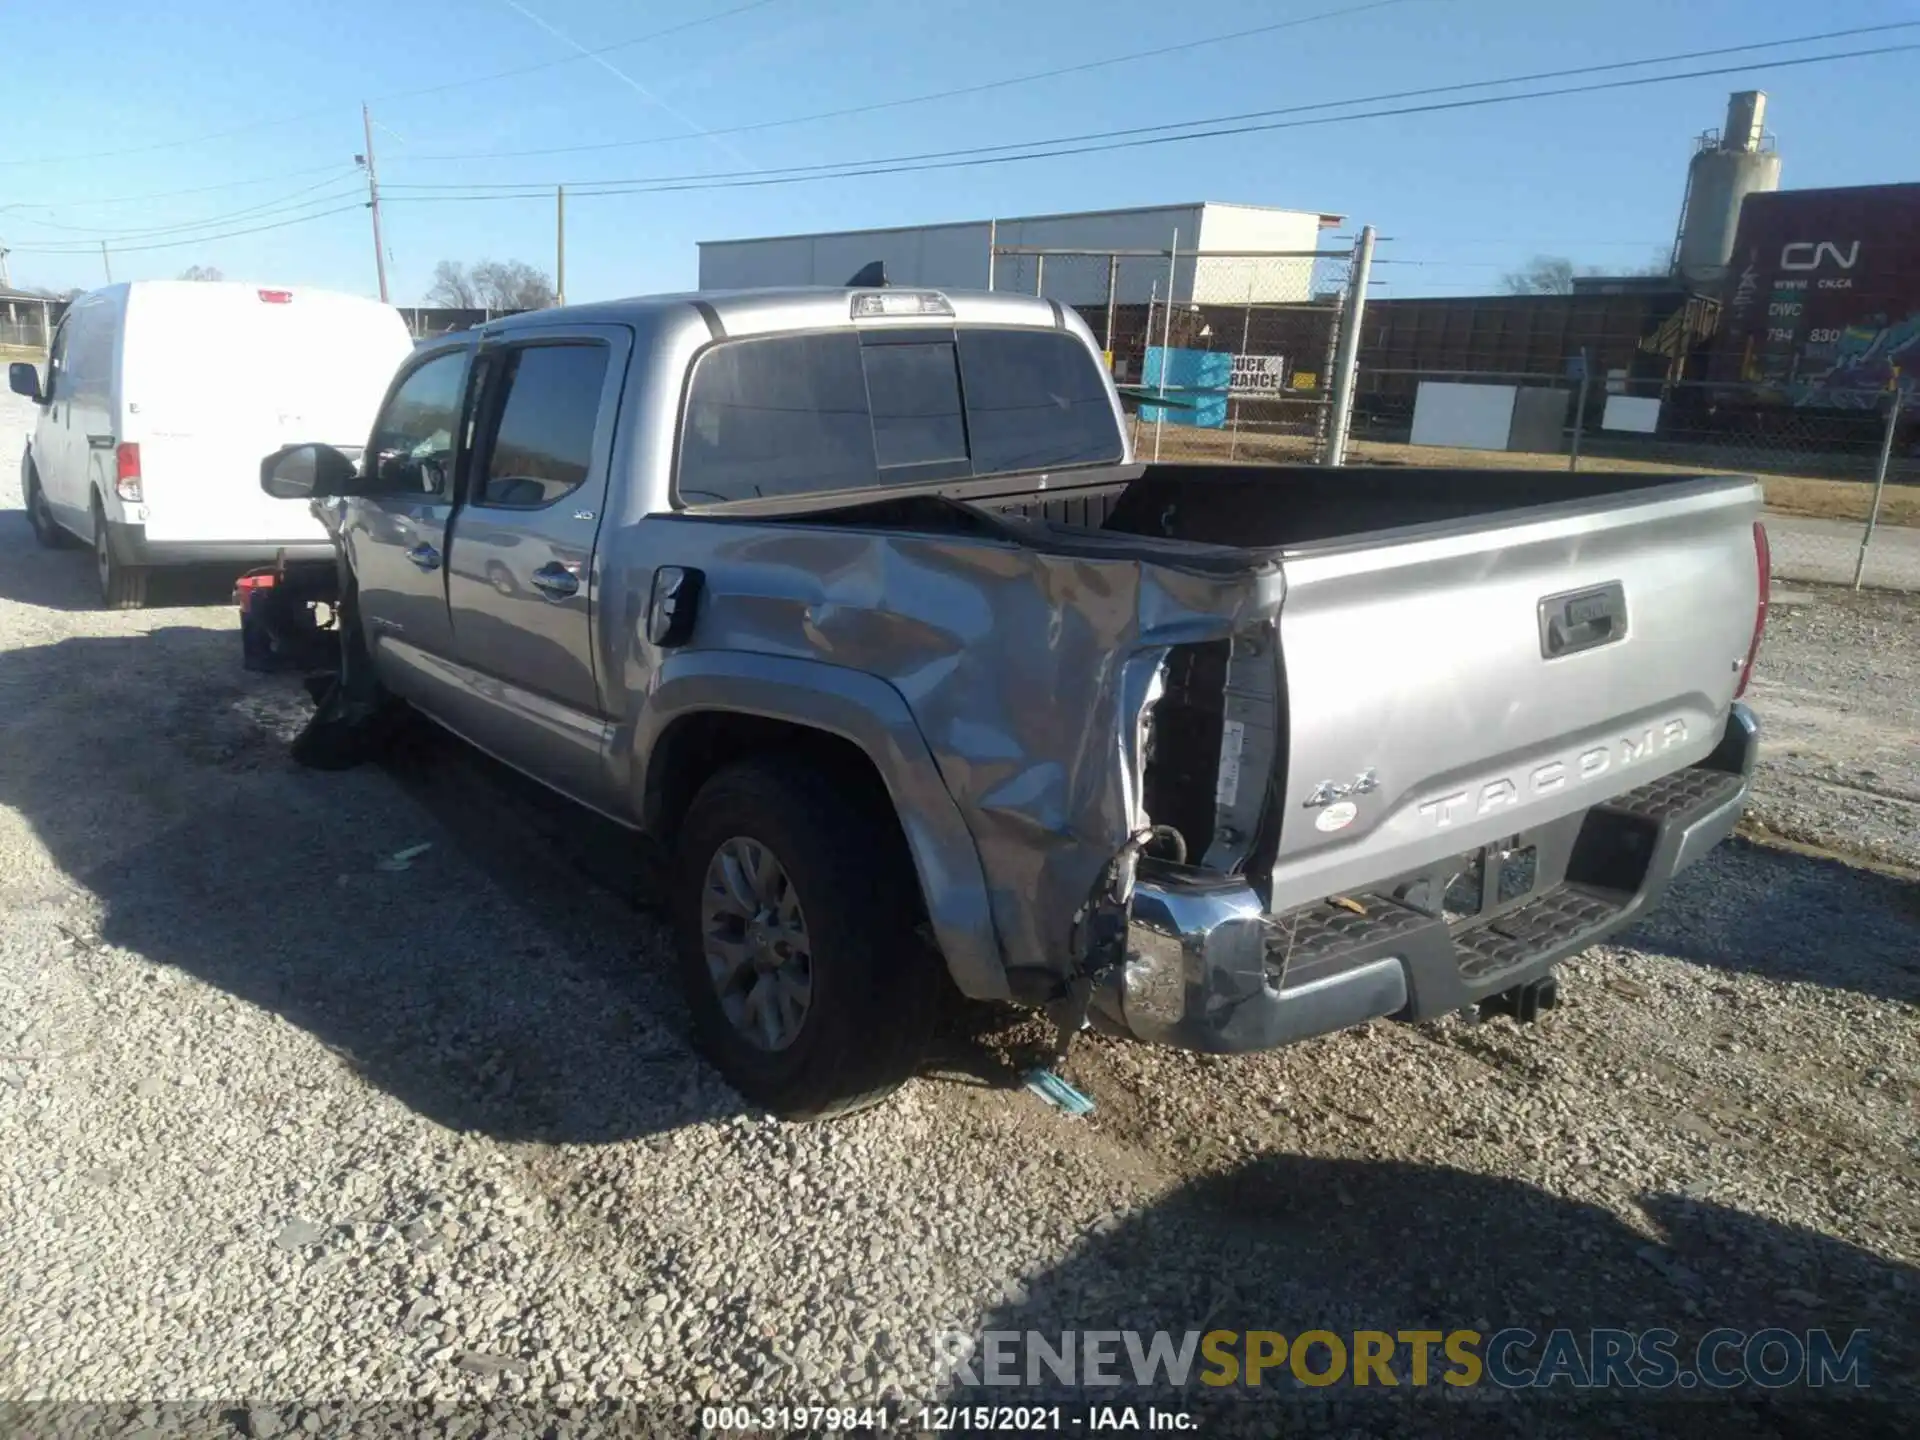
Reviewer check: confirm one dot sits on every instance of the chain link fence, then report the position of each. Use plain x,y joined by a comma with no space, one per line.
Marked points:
1842,481
26,322
1275,358
1223,355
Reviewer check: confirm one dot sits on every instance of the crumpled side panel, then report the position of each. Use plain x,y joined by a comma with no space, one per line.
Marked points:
1028,674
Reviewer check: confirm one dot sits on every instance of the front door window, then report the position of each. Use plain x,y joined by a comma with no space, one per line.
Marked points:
413,441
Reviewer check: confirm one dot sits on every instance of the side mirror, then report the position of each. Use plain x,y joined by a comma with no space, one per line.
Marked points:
23,378
306,472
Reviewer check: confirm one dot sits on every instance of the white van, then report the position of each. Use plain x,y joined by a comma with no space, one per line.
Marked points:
162,397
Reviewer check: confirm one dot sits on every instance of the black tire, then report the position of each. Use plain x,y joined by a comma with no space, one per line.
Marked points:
874,984
40,515
122,586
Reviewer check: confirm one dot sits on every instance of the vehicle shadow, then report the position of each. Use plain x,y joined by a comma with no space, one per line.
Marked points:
1294,1243
64,579
1790,917
504,980
510,997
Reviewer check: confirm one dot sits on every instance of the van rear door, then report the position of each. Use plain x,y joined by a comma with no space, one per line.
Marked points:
217,376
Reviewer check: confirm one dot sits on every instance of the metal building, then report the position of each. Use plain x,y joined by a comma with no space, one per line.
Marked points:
961,255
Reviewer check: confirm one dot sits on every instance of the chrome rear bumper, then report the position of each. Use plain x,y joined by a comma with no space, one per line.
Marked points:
1208,968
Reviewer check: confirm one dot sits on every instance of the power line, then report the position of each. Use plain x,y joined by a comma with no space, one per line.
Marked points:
1157,52
1134,137
209,228
1217,119
1100,141
176,194
408,93
211,221
1256,114
196,240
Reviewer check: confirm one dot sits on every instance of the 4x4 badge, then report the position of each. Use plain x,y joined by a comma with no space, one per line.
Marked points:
1328,791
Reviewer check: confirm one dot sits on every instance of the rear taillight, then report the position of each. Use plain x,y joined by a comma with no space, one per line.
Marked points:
126,470
1763,562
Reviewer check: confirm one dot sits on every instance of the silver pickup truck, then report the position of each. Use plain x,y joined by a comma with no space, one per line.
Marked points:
857,603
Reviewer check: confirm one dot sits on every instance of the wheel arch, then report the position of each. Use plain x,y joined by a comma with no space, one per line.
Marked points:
710,709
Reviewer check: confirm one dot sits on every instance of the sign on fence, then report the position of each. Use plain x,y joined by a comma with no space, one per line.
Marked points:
1255,375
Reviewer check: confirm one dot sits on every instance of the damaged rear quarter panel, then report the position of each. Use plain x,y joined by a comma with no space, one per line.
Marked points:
1026,670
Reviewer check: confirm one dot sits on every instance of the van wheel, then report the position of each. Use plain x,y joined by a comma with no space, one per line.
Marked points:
122,587
792,909
40,515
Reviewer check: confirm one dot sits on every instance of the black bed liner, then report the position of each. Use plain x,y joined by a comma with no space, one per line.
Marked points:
1220,518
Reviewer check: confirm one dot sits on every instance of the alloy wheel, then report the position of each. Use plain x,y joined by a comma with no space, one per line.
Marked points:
758,953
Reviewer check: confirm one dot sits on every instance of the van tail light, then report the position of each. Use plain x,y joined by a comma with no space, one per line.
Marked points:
126,470
1763,562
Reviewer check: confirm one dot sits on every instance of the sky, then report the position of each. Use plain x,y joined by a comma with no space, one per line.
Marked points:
165,129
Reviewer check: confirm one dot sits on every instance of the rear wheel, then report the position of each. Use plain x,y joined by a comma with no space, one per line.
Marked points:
122,586
40,515
793,911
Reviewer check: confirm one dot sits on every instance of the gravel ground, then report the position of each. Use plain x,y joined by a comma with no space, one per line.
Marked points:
1828,551
281,1129
1839,689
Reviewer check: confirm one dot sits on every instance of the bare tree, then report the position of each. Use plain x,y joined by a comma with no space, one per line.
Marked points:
493,284
512,285
1542,275
201,272
1554,274
452,288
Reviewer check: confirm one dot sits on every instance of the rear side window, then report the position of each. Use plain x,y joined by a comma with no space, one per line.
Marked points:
783,416
57,361
1034,402
543,446
89,357
800,414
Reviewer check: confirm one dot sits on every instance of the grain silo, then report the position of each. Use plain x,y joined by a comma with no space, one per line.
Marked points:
1727,166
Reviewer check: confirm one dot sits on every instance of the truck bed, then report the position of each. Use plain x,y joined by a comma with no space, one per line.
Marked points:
1271,506
1427,662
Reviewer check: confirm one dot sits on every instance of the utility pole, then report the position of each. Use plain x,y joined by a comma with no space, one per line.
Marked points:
560,243
6,280
106,261
1347,363
373,201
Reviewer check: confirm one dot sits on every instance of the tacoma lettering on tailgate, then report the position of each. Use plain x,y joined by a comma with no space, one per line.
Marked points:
1554,775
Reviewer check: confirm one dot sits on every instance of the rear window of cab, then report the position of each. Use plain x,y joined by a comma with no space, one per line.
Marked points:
847,410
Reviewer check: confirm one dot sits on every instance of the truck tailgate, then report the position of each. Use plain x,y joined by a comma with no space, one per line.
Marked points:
1458,684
